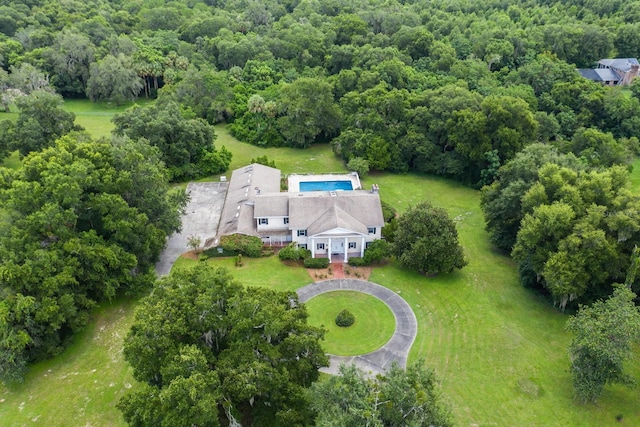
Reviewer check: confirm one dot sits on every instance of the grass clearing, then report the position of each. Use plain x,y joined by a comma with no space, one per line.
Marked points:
268,272
317,159
367,334
82,385
500,350
96,117
13,161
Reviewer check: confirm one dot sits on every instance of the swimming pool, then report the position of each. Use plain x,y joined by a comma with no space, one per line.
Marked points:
325,185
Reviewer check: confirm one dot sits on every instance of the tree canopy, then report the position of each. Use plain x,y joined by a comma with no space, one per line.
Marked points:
186,143
400,397
445,88
40,122
207,348
603,336
578,232
426,240
79,223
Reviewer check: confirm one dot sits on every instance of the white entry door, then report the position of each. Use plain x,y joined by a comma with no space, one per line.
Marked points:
337,247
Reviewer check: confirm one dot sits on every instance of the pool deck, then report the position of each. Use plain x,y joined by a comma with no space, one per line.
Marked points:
294,180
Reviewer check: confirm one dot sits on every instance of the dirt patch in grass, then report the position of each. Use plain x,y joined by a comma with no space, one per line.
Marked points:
344,271
191,255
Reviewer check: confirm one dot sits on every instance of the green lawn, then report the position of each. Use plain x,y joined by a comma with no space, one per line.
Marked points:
96,117
81,386
500,350
268,272
368,333
317,159
13,161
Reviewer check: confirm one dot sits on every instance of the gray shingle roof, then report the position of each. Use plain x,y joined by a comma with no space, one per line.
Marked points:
599,74
347,208
244,185
334,218
316,212
622,64
270,205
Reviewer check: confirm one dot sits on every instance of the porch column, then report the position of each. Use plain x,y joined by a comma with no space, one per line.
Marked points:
346,248
362,249
329,251
313,247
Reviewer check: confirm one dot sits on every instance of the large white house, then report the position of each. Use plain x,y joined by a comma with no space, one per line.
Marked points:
340,223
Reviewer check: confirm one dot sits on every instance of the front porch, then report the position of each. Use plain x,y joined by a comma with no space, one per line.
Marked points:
337,248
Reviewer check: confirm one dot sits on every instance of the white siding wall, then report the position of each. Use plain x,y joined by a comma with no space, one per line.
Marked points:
274,223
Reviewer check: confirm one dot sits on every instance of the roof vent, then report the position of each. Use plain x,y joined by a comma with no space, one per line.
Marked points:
332,193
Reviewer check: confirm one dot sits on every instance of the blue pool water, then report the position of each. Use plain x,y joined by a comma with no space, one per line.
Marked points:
325,185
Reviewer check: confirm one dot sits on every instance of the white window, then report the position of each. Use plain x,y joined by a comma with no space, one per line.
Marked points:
303,246
286,220
367,245
320,246
302,233
263,221
372,230
352,245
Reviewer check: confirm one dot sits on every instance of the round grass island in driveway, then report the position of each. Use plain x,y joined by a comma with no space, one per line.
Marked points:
395,350
373,327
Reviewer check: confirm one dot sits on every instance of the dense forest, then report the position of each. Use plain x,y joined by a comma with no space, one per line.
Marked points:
485,92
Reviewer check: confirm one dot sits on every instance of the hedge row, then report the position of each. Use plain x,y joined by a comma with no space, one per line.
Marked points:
316,262
250,246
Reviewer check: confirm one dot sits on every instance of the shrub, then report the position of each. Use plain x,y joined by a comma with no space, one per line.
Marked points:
345,318
250,246
359,165
293,252
264,160
377,251
356,261
316,262
215,253
388,211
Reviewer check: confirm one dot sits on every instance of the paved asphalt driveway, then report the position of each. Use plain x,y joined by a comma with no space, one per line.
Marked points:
396,349
200,219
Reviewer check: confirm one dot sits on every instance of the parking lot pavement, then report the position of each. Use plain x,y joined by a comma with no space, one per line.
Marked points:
200,219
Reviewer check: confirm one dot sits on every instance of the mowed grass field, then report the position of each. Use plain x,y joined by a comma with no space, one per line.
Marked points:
500,350
373,327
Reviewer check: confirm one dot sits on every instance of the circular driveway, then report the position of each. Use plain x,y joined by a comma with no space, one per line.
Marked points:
396,349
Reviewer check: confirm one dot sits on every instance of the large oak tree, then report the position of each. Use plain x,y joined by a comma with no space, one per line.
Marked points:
79,223
427,240
207,348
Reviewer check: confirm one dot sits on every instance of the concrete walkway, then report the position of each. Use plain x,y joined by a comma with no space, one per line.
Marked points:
201,218
396,349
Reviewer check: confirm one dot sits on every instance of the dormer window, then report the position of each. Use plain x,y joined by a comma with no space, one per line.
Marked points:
371,230
302,233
